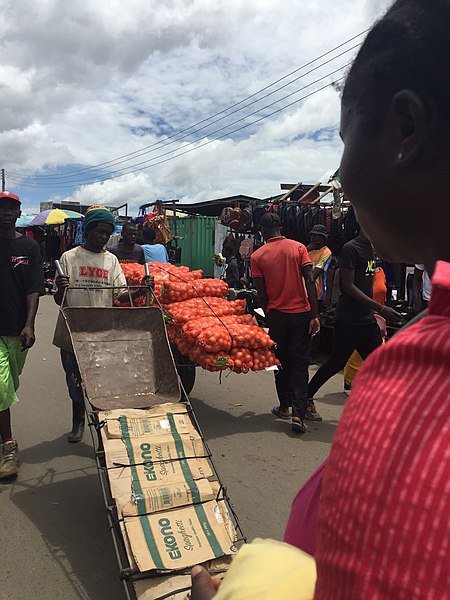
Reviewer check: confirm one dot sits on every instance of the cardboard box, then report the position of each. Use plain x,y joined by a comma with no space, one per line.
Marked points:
154,411
229,524
164,587
151,450
159,498
143,425
179,538
169,586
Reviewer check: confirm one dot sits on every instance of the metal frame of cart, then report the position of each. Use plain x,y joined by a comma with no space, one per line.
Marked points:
98,350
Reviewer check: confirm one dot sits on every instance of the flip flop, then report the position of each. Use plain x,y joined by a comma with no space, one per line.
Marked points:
276,412
298,426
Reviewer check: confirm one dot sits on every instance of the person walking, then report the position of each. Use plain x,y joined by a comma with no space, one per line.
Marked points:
379,295
89,267
355,324
22,284
384,511
127,250
278,270
320,256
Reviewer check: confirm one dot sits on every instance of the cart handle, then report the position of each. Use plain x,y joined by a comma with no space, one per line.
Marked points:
109,287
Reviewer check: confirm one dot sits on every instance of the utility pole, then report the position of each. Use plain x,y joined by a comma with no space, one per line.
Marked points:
3,180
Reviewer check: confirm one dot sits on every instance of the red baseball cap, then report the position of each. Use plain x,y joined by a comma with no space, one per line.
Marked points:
10,196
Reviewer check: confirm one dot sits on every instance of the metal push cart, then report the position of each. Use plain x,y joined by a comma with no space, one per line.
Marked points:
125,361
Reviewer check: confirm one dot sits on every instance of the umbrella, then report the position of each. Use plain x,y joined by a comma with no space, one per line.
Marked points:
55,216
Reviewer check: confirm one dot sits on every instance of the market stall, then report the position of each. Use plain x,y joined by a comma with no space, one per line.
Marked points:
301,208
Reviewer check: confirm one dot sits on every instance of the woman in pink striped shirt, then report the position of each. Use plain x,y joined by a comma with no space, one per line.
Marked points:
384,518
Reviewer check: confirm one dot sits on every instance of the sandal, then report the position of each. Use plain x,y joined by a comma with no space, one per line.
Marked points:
298,426
276,412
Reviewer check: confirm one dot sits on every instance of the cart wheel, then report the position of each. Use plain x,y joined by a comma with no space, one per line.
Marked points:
185,369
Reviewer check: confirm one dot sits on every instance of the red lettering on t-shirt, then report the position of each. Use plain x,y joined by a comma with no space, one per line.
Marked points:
94,272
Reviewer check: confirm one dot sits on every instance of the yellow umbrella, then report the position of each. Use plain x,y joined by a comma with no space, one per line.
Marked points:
54,216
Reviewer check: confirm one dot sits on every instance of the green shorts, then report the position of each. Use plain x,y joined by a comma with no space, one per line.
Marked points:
12,360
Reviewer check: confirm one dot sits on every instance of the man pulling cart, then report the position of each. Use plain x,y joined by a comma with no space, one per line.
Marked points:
99,278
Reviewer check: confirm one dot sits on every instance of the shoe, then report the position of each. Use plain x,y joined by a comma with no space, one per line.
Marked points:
311,413
9,459
276,411
347,388
298,426
76,435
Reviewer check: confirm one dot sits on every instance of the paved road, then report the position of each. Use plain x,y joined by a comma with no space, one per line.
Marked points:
55,541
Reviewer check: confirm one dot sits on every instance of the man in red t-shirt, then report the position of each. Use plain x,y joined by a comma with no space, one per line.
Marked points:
281,269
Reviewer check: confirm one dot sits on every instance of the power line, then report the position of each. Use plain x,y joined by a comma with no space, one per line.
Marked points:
61,178
94,177
162,143
149,163
140,168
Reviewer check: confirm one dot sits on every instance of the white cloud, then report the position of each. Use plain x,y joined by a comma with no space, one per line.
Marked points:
83,83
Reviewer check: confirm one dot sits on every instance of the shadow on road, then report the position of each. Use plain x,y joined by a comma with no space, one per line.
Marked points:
44,452
66,513
216,423
334,399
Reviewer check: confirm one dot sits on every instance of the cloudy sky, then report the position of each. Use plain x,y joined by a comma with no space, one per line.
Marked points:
112,102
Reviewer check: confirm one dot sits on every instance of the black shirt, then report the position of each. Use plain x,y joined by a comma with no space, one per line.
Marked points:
358,255
20,275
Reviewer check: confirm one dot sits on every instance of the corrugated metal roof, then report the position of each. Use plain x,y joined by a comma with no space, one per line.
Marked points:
213,208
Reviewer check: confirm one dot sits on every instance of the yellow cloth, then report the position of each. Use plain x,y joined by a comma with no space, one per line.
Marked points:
269,570
379,295
352,366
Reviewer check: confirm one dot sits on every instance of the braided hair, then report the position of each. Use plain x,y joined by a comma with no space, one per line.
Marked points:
409,48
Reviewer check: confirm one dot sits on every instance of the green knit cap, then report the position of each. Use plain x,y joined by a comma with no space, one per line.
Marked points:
98,214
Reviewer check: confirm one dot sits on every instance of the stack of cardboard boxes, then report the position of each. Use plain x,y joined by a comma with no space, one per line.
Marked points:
173,514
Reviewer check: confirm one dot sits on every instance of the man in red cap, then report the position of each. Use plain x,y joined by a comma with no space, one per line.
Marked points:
22,284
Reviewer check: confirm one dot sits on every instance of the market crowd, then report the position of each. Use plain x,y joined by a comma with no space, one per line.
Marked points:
374,520
290,280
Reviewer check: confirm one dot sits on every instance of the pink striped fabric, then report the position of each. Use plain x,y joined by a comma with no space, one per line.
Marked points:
384,522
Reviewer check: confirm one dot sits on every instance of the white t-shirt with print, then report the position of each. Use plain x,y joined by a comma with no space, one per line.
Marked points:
88,270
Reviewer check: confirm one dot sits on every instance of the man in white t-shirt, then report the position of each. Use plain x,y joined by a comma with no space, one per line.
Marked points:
421,288
87,267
